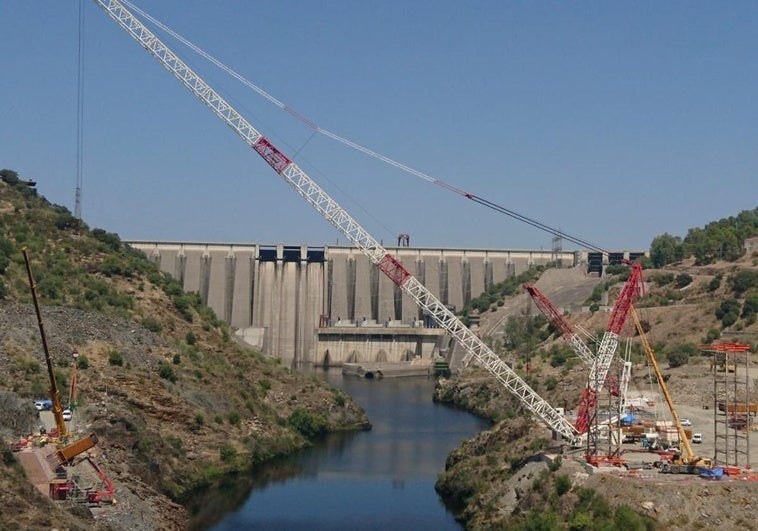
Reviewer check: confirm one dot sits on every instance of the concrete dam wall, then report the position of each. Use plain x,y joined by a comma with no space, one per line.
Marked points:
298,302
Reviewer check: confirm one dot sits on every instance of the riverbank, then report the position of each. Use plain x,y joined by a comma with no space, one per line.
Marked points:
171,418
378,479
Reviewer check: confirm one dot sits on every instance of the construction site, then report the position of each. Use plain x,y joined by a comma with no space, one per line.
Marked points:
59,459
621,426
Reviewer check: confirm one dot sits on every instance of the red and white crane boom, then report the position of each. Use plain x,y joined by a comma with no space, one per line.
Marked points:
338,217
549,310
608,346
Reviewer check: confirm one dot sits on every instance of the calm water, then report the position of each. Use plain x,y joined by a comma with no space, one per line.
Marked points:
380,479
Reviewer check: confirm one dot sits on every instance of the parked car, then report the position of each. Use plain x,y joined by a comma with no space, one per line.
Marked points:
686,422
697,437
67,414
43,404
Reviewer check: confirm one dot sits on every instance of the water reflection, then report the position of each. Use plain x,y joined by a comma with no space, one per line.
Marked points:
379,479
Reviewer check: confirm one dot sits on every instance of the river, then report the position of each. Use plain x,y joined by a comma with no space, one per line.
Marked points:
374,480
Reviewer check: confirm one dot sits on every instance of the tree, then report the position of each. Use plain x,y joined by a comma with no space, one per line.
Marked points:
743,281
750,307
9,176
666,249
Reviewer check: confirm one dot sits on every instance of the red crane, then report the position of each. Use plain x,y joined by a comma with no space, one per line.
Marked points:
556,319
608,347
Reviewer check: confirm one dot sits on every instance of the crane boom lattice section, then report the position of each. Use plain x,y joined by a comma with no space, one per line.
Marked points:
549,310
338,217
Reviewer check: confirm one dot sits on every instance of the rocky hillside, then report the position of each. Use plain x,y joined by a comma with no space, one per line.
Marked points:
175,402
501,479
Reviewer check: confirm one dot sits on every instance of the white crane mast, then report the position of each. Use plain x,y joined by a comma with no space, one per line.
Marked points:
329,209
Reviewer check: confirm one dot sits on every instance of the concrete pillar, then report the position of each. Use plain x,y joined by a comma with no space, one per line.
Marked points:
230,270
350,281
466,281
443,282
180,267
421,277
373,276
488,274
205,277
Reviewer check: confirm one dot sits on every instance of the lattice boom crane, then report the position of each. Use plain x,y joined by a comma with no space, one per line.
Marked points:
338,217
556,319
608,346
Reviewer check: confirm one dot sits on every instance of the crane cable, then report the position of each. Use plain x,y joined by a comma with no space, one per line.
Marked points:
349,143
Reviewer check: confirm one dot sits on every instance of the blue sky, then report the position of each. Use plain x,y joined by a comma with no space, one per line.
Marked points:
612,121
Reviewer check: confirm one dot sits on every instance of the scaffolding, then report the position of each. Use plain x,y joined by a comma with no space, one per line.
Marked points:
733,411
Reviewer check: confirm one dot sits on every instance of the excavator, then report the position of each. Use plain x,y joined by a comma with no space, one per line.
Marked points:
684,461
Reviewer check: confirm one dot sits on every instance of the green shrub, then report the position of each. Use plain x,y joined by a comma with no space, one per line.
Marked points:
234,418
177,359
227,453
750,307
166,372
728,312
557,359
115,358
562,484
199,419
677,358
683,280
309,425
152,324
743,281
111,240
190,338
9,177
82,362
111,266
662,279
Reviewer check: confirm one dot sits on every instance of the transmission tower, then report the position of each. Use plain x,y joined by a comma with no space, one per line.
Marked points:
79,114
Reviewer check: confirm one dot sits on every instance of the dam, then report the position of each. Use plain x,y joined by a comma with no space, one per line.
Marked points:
329,304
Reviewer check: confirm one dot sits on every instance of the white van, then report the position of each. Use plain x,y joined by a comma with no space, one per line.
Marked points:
697,437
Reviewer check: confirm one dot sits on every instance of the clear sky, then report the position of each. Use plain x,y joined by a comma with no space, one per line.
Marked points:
612,121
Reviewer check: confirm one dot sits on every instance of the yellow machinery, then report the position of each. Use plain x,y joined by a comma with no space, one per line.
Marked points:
54,394
685,461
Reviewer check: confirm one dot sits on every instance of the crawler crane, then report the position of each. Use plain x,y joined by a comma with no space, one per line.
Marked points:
685,461
608,347
337,216
615,387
